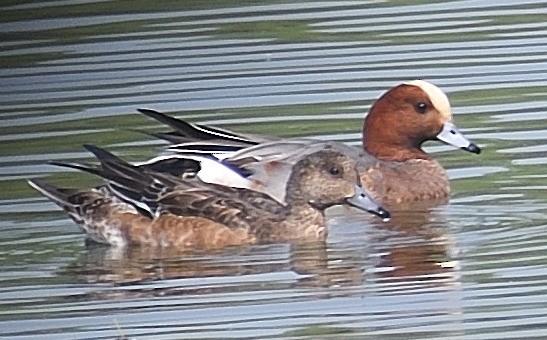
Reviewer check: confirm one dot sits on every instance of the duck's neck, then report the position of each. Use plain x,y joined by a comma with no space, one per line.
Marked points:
392,151
304,220
295,201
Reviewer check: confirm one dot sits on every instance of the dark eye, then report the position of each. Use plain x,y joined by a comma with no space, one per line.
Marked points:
421,107
334,171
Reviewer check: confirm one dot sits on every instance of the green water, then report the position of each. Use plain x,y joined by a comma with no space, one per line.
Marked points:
76,73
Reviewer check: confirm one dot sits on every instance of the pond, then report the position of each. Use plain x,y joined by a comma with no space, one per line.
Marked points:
75,72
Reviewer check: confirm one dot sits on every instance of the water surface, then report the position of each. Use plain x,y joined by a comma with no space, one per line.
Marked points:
74,73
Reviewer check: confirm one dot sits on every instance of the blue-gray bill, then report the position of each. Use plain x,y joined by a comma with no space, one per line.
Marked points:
451,135
361,200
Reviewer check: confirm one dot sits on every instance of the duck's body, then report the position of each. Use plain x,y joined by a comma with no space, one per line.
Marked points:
144,207
396,183
260,192
392,165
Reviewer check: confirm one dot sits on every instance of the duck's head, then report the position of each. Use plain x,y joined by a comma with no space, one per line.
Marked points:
406,116
329,177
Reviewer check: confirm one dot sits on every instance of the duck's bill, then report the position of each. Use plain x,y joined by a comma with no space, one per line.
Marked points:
451,135
361,200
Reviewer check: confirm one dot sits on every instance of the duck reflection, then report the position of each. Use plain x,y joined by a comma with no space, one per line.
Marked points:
413,248
101,263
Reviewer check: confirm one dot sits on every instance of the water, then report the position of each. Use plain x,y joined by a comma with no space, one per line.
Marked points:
74,73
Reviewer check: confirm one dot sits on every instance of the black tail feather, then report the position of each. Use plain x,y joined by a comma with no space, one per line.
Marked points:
182,128
67,199
116,169
60,196
192,132
92,169
172,137
137,185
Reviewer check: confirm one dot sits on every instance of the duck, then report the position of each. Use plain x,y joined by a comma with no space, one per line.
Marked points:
393,165
140,206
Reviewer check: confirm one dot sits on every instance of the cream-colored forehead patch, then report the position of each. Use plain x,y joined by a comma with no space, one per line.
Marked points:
436,95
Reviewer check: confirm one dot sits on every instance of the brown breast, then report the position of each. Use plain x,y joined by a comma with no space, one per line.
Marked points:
414,180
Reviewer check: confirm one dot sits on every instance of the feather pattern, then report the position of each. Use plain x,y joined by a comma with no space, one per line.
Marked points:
393,165
188,212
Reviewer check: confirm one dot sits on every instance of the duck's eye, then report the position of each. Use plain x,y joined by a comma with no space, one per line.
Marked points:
334,171
421,107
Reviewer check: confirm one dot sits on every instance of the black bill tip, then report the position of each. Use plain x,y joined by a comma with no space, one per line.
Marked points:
383,213
473,148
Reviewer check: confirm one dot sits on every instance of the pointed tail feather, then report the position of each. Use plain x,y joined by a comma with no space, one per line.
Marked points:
102,154
63,197
60,196
190,131
93,169
182,128
172,137
133,184
115,169
119,186
179,125
112,168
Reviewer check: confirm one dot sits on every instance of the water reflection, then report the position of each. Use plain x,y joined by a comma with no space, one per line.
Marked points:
413,249
75,73
100,263
419,250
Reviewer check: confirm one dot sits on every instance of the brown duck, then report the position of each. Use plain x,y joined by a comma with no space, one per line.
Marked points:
140,206
393,165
